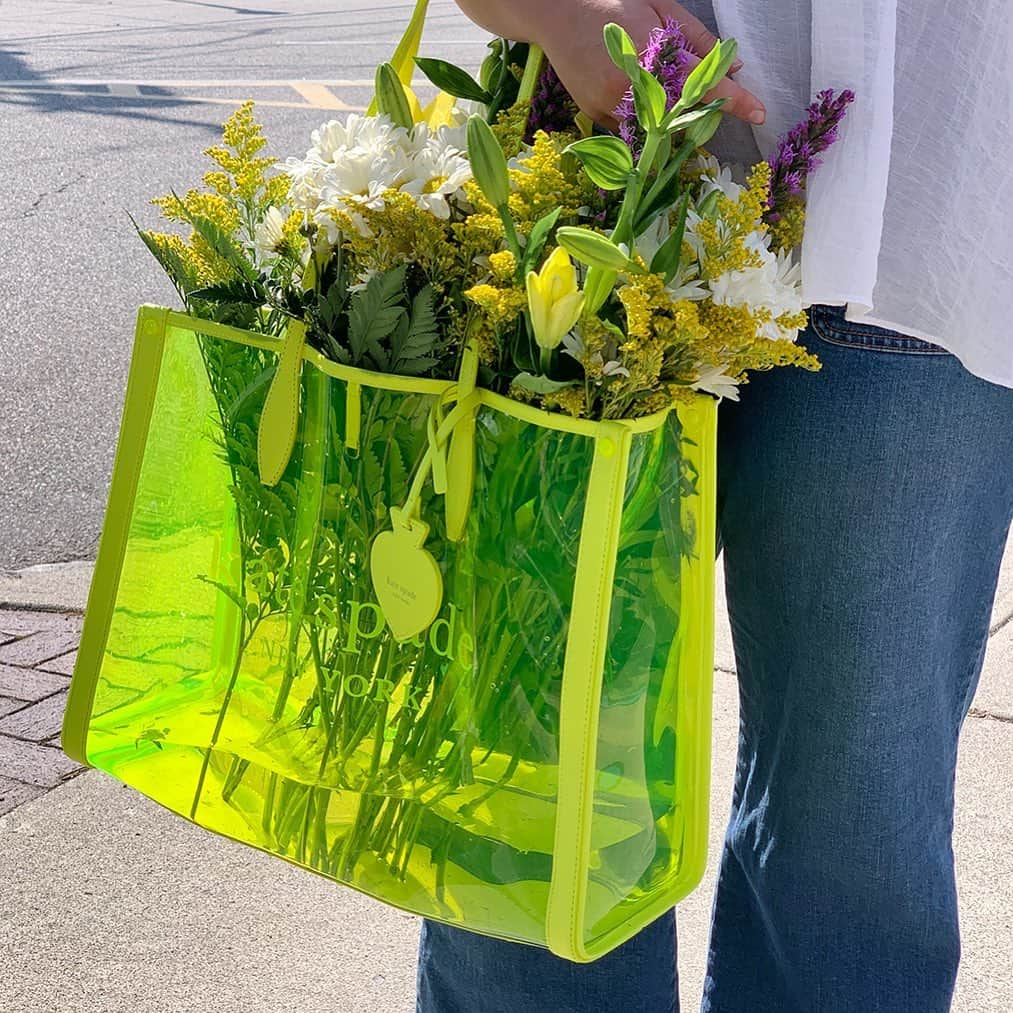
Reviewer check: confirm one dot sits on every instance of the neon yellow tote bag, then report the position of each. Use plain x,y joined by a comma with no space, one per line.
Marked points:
494,713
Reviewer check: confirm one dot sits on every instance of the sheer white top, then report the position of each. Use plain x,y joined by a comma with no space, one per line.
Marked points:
910,220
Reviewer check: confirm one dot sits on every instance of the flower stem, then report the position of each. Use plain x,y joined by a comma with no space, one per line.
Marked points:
510,231
638,180
532,72
545,360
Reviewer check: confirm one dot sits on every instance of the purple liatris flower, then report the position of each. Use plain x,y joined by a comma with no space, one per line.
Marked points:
799,149
667,57
552,107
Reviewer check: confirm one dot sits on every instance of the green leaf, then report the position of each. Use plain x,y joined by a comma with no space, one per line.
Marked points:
649,99
453,80
391,98
704,129
415,340
488,163
665,190
331,306
536,241
542,384
375,313
708,72
666,260
682,121
622,49
236,290
234,596
607,160
593,249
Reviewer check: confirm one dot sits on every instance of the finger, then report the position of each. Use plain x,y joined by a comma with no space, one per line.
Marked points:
701,40
742,104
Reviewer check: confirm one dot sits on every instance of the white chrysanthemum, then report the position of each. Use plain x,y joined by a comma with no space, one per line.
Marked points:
714,380
349,163
444,138
269,235
437,176
716,176
377,134
352,163
685,284
775,286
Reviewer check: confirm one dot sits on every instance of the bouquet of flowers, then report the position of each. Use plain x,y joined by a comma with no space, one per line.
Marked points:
602,276
494,713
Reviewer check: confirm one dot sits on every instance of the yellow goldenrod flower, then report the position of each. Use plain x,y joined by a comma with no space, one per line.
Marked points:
555,301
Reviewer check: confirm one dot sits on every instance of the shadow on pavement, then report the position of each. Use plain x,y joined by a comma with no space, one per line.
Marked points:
33,91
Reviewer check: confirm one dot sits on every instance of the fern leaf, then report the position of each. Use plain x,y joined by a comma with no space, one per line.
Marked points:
412,354
375,312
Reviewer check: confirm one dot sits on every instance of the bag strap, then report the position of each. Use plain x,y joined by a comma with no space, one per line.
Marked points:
280,418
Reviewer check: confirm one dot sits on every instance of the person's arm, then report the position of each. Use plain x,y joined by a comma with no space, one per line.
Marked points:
570,32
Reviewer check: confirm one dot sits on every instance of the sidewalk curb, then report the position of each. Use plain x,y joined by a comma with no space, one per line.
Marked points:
47,587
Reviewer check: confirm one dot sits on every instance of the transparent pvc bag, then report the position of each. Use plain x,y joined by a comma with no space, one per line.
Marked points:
534,765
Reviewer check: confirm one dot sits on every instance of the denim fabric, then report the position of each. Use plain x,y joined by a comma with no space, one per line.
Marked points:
863,513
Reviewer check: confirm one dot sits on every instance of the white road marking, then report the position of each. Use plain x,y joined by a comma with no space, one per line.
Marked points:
124,90
316,94
80,82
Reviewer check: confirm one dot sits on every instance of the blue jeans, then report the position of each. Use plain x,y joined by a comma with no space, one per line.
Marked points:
863,513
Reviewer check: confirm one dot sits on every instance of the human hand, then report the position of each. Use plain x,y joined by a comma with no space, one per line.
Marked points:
570,32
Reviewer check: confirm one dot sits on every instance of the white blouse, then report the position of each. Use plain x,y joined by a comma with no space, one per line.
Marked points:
910,220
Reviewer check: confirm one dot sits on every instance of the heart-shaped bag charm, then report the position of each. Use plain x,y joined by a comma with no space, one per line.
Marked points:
406,578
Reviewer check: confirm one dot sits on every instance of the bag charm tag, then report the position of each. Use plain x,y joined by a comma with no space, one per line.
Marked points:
407,579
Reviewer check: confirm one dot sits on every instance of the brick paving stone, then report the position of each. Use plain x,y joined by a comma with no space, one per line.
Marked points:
39,647
7,705
29,683
38,721
42,766
63,665
15,793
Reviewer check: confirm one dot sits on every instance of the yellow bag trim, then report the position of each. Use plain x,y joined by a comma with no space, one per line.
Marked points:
280,419
353,414
421,385
581,695
139,403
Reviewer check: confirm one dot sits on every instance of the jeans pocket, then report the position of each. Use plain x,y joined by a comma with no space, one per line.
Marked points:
828,324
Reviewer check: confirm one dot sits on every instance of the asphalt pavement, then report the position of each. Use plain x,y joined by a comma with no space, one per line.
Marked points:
103,105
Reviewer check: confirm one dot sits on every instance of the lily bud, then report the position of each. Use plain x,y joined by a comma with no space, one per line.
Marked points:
488,163
555,301
391,97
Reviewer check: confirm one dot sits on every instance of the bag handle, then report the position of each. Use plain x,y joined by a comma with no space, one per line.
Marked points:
279,420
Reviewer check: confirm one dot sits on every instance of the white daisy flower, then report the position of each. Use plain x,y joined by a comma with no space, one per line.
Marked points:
269,235
717,177
713,380
376,134
775,286
437,176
